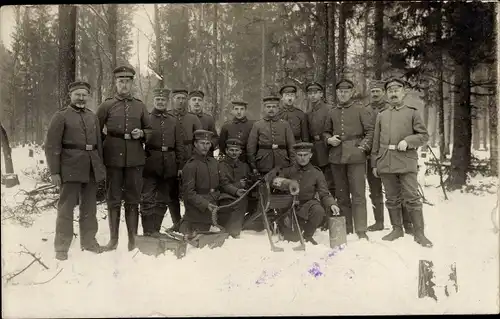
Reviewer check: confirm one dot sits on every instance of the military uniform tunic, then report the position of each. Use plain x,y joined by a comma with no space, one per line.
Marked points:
73,149
236,128
189,123
270,145
316,119
298,122
208,124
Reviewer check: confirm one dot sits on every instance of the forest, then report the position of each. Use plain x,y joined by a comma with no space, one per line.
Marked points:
445,50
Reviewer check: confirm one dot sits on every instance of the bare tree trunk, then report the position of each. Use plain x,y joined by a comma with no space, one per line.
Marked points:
379,34
216,111
263,62
67,47
440,91
426,106
159,68
112,18
449,116
493,127
485,124
342,32
332,64
326,30
7,151
365,47
476,137
461,154
99,63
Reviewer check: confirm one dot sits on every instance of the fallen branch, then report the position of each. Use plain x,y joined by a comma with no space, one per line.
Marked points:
12,276
441,181
44,282
34,256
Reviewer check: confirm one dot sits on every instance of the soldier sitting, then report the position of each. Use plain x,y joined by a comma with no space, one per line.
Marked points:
237,174
202,185
312,184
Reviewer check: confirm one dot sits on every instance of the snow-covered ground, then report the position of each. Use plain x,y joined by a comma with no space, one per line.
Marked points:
243,277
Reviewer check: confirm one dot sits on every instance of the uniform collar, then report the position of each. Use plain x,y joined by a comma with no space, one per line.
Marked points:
157,112
76,108
198,155
304,168
381,105
123,97
397,107
179,113
242,120
232,162
318,105
345,105
274,118
289,108
198,114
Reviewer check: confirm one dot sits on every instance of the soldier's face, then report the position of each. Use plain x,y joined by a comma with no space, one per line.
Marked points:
160,102
233,152
79,97
179,101
314,95
123,85
344,95
196,104
395,94
203,146
271,109
376,94
239,111
303,157
288,98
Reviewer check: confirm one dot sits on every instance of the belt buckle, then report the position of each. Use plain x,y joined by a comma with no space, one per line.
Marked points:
164,148
89,147
212,190
317,137
392,147
126,136
274,146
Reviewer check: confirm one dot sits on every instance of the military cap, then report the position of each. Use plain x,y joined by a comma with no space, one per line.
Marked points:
78,85
234,142
159,92
202,135
344,84
377,84
196,93
304,146
314,86
179,91
394,81
288,88
242,103
124,72
271,99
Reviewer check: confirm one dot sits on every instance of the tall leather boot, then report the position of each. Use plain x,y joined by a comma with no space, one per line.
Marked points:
158,218
378,213
397,225
132,221
407,221
114,227
175,214
418,224
147,222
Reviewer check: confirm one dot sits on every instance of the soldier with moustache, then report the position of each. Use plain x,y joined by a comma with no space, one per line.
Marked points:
399,132
293,115
189,123
164,158
377,104
196,104
238,127
127,124
73,148
349,133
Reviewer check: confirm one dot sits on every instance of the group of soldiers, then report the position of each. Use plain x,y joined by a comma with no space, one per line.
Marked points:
150,160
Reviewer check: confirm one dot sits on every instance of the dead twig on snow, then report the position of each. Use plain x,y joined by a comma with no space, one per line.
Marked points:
44,282
12,276
34,256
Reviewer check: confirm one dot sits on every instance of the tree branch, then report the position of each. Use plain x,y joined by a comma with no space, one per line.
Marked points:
106,25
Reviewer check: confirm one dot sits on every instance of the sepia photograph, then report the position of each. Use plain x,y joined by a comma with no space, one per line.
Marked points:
250,159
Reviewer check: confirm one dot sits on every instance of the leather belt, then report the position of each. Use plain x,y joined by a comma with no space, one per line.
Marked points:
350,138
125,136
160,149
390,147
86,147
272,147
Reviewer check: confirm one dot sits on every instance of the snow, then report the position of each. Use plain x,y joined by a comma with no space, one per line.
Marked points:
243,277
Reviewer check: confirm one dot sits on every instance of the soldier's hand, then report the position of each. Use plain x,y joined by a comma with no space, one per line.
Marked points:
335,210
334,140
56,180
402,146
240,192
211,207
375,172
137,133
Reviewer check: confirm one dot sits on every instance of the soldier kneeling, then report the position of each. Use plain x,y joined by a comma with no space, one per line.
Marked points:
312,184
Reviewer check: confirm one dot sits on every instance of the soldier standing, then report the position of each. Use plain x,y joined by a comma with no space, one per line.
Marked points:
127,124
73,148
239,127
202,185
378,104
399,131
293,115
271,140
189,123
237,174
349,132
314,197
164,151
196,103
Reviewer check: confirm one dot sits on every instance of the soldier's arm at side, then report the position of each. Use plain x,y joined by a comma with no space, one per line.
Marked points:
53,143
325,197
420,136
328,131
367,122
305,129
253,139
376,141
223,139
225,180
102,115
188,188
99,139
179,146
146,124
290,141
